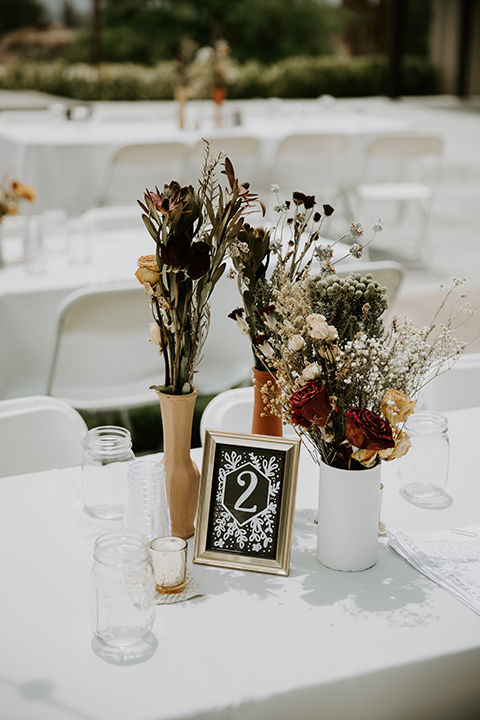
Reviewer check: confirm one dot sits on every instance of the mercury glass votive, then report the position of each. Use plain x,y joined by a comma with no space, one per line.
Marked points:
169,558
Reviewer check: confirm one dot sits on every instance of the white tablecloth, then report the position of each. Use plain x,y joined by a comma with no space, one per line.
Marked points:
384,644
67,162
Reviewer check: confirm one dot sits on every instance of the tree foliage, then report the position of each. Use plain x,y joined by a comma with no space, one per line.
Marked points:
147,31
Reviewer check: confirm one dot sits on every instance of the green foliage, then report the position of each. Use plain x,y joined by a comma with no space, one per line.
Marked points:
15,14
297,77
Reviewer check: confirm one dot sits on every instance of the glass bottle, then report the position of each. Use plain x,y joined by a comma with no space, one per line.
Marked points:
107,456
423,471
122,589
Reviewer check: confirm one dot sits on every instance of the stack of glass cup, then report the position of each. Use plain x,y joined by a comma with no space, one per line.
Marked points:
146,510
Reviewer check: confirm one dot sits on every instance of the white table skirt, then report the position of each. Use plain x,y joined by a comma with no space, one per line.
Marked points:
67,162
384,644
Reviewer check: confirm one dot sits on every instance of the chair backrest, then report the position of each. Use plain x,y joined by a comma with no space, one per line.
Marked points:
102,358
39,433
227,354
403,158
312,163
230,411
456,388
112,218
243,151
140,166
388,273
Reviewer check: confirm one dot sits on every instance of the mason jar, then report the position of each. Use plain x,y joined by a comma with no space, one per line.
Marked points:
107,456
423,471
122,589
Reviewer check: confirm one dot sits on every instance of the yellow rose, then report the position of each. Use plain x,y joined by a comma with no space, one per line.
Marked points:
402,446
148,271
396,406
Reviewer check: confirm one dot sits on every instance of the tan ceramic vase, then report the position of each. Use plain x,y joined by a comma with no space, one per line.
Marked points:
182,474
263,423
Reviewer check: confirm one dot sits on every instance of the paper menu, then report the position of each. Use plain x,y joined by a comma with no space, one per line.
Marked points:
450,557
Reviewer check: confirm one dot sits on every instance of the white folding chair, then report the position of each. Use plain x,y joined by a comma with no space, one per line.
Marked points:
243,151
106,218
398,185
39,433
140,166
227,354
312,163
102,360
231,411
457,388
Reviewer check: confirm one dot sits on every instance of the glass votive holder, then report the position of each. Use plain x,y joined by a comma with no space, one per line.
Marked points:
169,558
107,456
423,471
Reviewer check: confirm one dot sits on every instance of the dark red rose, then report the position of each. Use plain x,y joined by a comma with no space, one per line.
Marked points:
199,260
328,210
368,431
176,252
311,404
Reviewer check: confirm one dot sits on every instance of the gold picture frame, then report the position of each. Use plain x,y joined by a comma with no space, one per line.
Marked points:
246,502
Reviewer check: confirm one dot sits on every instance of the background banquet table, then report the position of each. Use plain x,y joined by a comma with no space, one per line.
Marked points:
67,161
383,644
80,258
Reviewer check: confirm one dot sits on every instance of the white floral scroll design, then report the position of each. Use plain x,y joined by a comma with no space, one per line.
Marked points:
256,535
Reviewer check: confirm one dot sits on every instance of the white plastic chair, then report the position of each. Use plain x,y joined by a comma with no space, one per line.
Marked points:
102,359
398,185
457,388
231,411
311,163
140,166
243,151
113,218
39,433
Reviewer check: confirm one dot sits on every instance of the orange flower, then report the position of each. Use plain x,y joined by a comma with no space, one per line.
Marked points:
148,272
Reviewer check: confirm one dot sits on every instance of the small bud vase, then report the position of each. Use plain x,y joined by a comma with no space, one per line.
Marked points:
348,517
263,423
181,473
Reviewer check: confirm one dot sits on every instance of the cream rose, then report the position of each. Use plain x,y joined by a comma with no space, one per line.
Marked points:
311,372
148,272
155,334
320,329
402,446
296,343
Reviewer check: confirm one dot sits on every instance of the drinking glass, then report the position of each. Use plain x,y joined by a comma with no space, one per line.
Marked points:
33,244
122,590
146,510
107,456
169,557
423,471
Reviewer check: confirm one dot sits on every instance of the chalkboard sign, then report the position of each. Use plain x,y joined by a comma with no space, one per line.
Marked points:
247,502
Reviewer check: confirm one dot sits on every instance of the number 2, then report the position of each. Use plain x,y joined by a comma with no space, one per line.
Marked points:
246,494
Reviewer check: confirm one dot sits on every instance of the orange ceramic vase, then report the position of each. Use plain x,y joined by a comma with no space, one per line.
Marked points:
263,423
182,474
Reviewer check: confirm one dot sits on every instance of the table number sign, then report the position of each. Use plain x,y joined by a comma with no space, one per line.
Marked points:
247,502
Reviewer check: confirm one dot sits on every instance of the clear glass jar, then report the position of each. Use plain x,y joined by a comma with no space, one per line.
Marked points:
107,456
423,471
122,588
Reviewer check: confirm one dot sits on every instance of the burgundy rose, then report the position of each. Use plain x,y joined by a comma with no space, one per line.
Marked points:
176,252
311,404
367,430
199,260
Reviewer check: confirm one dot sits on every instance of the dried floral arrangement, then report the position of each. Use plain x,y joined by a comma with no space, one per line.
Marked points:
12,192
194,231
347,383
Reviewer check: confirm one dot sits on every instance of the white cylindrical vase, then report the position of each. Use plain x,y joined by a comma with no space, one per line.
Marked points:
348,512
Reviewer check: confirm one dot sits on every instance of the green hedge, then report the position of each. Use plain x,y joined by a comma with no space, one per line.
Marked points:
296,77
